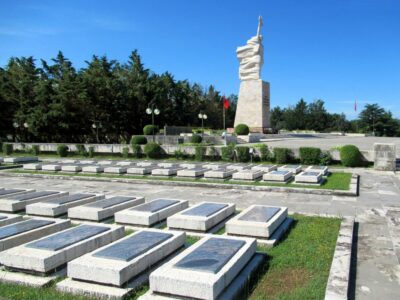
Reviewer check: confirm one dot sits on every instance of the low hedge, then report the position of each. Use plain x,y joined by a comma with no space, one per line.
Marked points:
227,153
91,152
283,155
125,152
136,150
138,140
81,150
200,153
350,156
62,150
310,155
242,129
196,139
153,150
7,149
35,150
265,153
148,129
243,154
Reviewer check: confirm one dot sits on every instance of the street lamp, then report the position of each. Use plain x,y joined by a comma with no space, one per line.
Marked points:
152,111
97,125
202,117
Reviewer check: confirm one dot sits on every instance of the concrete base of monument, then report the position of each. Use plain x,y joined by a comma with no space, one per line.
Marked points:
237,289
29,279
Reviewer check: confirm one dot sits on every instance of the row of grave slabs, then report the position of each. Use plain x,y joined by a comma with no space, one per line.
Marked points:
99,259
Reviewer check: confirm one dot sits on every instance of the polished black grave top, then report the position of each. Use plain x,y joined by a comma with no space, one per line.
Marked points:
68,237
32,195
310,173
9,191
281,172
211,256
21,227
260,214
110,202
134,246
69,198
205,209
155,205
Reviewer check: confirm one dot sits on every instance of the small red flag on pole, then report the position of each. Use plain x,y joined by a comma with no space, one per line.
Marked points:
226,102
355,105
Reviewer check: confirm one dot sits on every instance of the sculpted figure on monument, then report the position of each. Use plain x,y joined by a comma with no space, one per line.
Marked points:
251,56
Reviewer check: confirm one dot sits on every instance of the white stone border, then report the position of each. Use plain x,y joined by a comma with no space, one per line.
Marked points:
337,287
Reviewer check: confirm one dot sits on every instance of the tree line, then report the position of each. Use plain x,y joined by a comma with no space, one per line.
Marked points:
372,119
105,101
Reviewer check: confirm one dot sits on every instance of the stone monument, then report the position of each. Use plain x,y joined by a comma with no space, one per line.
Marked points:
254,102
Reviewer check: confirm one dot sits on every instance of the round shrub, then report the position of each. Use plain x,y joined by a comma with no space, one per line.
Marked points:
148,129
62,150
310,155
350,156
125,152
243,154
81,150
153,150
242,129
138,140
136,150
325,158
7,149
196,139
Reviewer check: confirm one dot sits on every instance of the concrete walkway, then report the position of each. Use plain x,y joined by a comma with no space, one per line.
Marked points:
377,212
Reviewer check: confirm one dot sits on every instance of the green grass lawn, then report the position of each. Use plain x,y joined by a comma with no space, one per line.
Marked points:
336,181
297,268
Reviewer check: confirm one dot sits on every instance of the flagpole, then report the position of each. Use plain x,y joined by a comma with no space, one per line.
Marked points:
223,113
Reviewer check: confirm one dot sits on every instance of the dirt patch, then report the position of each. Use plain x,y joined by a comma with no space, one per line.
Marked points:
284,281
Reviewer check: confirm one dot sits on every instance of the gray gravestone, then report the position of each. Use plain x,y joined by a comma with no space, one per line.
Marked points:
211,256
69,198
260,214
133,246
10,191
155,205
32,195
205,209
110,202
21,227
68,237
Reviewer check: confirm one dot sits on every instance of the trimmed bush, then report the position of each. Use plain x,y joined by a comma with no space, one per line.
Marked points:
200,153
196,139
125,152
148,129
310,155
227,152
265,154
35,150
138,140
153,150
350,156
180,154
7,149
81,150
136,150
325,158
242,129
91,151
283,155
243,154
213,153
62,150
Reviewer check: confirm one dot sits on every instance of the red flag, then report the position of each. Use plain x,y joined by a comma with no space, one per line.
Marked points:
355,105
226,102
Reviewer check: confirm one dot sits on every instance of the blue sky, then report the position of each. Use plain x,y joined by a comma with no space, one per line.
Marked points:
335,50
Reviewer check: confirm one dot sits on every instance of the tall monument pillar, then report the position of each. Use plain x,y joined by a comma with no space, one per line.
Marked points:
254,99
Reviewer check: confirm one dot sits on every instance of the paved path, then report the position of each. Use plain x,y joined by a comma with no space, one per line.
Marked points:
377,212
